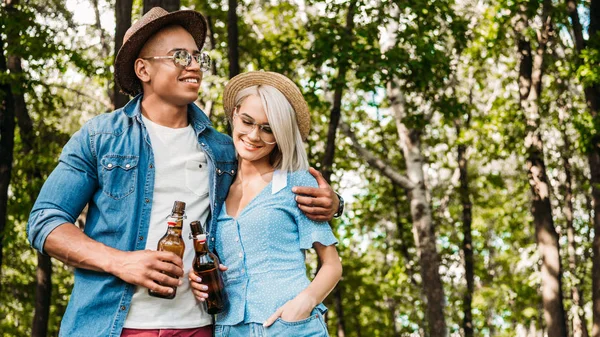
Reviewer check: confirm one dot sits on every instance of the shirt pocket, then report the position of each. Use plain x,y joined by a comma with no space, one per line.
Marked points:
119,175
196,177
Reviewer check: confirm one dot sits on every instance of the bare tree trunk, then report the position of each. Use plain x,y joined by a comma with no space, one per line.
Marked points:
168,5
423,231
43,294
7,142
334,120
233,39
530,86
579,322
123,10
105,48
44,269
467,237
592,96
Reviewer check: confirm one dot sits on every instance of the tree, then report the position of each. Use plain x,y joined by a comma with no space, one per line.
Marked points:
123,10
168,5
531,70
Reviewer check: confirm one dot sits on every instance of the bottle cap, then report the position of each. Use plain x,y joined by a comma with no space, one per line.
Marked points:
172,224
201,238
196,228
178,207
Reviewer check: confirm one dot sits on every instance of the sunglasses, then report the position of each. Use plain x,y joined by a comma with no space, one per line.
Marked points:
182,59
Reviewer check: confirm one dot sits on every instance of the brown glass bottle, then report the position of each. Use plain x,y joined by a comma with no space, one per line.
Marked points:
206,265
172,241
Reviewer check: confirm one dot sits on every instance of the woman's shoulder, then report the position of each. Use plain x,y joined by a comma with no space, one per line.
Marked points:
302,178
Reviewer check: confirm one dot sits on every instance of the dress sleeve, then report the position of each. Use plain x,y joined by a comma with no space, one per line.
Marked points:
311,231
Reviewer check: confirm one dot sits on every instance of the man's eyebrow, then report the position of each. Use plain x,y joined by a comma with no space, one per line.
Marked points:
195,51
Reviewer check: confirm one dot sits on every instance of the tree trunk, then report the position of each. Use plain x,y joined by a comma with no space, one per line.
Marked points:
43,294
592,96
232,39
104,43
7,142
423,231
579,322
123,10
467,246
530,86
169,5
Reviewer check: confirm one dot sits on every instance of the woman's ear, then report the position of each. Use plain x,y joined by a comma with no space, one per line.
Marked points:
141,70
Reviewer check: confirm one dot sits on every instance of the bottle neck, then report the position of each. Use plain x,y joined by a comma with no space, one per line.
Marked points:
200,245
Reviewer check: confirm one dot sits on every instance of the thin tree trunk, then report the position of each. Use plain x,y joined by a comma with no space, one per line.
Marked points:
7,142
423,231
43,290
233,39
168,5
43,294
123,10
467,237
328,158
592,96
104,43
579,322
530,86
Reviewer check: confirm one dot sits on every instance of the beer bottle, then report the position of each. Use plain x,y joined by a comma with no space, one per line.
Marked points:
172,241
206,265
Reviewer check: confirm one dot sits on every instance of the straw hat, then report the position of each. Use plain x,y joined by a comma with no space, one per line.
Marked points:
279,82
137,35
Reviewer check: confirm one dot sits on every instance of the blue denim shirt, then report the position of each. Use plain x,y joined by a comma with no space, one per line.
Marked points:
109,163
263,249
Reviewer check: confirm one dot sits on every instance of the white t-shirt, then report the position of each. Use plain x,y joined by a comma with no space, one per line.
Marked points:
181,174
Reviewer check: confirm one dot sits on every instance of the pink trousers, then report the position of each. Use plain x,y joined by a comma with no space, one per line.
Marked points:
205,331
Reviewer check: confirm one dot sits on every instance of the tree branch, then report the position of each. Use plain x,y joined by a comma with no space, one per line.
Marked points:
373,160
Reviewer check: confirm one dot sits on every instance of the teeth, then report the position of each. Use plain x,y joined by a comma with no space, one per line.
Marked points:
191,80
250,145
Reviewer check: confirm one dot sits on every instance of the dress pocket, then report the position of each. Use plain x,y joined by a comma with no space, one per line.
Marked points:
196,177
119,175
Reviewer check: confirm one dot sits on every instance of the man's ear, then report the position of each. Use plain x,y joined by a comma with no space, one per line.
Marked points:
141,70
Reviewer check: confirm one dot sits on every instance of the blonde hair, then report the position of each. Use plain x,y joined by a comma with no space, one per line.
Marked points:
289,153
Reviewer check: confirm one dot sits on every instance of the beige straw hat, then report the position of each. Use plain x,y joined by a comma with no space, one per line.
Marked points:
137,35
288,88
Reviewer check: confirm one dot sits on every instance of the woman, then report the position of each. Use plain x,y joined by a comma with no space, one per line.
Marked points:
261,234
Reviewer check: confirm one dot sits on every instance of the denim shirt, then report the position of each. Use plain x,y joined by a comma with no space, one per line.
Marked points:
263,248
109,163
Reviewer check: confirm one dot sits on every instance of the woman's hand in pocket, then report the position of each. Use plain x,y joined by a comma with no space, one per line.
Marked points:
294,310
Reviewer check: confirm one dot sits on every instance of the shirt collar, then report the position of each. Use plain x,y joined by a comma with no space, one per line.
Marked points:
279,181
197,117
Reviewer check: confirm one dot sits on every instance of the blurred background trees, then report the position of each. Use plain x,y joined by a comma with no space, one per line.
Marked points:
463,135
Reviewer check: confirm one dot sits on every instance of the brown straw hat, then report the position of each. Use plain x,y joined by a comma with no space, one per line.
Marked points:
137,35
277,81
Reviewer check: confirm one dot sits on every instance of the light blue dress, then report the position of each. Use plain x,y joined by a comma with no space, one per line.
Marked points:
263,249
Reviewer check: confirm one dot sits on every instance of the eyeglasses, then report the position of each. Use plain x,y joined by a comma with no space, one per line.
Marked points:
246,126
182,59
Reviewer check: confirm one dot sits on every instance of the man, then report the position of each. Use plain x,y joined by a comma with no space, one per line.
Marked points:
129,166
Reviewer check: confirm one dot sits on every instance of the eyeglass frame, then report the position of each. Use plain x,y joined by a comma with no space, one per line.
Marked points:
254,125
202,58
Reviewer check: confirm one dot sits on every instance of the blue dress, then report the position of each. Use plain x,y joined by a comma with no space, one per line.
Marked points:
263,249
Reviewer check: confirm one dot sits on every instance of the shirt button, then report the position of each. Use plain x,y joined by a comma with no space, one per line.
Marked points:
242,270
219,171
202,144
123,307
237,239
151,165
141,238
147,200
240,255
109,165
212,239
127,166
232,171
